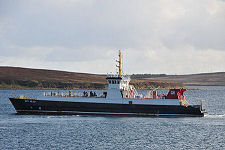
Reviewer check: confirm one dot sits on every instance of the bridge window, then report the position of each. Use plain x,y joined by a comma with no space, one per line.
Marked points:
110,82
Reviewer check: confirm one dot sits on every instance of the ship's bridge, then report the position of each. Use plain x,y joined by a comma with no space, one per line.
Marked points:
113,81
116,82
116,86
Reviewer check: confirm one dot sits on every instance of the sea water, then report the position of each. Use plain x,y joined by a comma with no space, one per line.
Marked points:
96,133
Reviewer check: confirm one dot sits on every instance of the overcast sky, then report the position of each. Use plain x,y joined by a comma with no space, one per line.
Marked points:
155,36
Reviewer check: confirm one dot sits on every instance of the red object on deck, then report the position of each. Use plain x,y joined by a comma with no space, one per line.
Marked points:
154,94
175,93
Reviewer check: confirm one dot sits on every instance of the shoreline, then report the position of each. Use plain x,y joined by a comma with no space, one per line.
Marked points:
188,88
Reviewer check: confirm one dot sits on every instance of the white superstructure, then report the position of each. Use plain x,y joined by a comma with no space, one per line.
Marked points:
119,91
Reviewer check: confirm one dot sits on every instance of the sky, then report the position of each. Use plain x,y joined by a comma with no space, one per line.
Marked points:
155,36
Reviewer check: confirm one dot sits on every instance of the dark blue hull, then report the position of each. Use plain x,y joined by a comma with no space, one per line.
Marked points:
31,106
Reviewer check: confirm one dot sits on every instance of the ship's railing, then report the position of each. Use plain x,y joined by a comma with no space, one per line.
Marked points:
70,94
202,104
62,94
149,95
112,75
131,92
125,77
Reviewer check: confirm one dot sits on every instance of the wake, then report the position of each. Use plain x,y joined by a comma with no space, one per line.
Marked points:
215,116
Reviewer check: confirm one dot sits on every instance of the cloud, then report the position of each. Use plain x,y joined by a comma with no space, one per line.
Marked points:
175,61
163,36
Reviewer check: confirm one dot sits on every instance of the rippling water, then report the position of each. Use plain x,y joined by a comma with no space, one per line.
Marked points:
79,132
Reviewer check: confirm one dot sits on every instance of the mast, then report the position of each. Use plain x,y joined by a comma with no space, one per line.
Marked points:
120,64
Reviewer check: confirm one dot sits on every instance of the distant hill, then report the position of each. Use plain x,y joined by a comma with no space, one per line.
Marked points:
26,78
41,78
142,76
214,79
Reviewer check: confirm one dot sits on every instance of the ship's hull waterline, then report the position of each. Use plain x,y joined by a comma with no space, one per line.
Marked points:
46,107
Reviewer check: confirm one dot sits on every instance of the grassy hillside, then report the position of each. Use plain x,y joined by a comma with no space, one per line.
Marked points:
215,79
40,78
25,78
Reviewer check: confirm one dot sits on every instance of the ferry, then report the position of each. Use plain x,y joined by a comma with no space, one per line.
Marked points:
119,99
